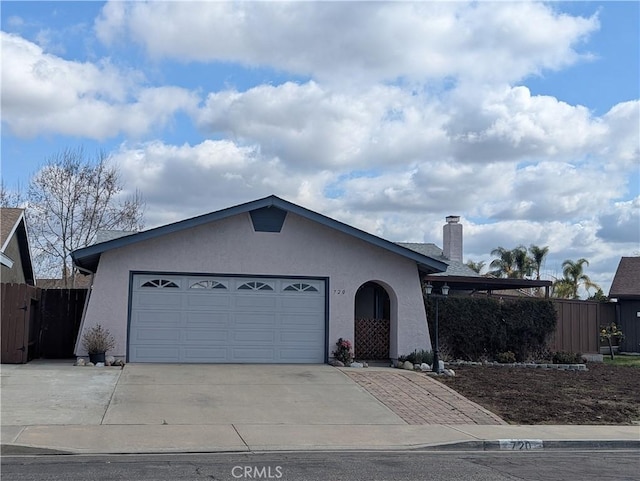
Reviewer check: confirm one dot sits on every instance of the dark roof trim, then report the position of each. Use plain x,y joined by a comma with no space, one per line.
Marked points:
88,257
485,283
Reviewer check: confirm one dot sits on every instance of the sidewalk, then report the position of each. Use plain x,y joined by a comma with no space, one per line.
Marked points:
53,407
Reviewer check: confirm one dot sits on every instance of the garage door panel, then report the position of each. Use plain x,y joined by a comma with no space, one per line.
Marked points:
253,336
162,299
192,354
156,354
226,319
253,354
210,319
208,300
156,318
302,336
254,320
200,336
299,320
154,335
303,303
264,301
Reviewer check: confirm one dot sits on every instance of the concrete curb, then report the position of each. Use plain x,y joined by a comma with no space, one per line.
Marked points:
533,445
521,445
20,450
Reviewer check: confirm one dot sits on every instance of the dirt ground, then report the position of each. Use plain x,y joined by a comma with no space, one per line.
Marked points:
602,395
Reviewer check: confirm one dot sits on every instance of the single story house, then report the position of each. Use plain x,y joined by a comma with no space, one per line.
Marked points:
15,255
625,289
267,281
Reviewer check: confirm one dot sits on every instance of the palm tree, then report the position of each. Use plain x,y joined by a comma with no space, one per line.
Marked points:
537,256
574,277
503,266
523,263
475,266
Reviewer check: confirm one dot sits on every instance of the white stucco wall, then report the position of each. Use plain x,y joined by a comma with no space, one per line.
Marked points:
302,248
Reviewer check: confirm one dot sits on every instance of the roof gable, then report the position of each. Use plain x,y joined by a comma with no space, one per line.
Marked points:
13,224
626,282
88,257
9,221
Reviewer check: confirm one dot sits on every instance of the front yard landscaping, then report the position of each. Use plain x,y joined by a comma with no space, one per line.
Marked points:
608,393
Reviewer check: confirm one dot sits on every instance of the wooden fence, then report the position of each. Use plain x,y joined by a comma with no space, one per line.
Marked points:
39,322
579,325
61,315
20,322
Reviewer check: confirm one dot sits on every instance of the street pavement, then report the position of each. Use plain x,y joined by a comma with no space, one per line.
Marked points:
52,406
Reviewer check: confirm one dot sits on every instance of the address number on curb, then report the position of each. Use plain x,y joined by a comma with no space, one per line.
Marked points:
521,444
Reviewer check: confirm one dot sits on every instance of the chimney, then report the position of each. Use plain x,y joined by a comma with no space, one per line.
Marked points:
452,238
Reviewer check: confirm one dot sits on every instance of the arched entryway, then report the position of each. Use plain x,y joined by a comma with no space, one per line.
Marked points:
372,322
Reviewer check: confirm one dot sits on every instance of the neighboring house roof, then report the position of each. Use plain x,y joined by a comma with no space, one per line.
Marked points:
107,235
461,277
626,282
13,224
88,257
454,268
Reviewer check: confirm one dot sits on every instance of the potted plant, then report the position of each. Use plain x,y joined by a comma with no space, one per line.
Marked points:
97,341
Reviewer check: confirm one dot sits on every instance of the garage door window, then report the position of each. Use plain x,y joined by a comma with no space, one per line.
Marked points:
160,283
207,285
300,287
255,286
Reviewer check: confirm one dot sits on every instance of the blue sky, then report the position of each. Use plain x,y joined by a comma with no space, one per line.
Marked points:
520,117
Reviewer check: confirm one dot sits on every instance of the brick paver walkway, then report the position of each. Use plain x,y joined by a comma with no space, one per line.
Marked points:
418,399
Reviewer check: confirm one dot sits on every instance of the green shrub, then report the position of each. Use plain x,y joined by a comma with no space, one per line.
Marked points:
476,328
561,357
420,356
506,357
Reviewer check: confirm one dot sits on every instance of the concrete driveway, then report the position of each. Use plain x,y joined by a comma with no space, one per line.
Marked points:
57,393
54,392
242,394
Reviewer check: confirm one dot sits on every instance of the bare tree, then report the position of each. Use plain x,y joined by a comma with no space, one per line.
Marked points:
69,200
11,198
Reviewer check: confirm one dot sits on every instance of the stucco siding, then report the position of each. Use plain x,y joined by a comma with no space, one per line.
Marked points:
302,248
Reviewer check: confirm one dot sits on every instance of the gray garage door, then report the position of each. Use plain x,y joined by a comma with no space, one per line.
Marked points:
226,319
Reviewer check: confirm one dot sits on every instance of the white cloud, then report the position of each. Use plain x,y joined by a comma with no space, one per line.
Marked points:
508,123
622,223
412,112
344,41
43,93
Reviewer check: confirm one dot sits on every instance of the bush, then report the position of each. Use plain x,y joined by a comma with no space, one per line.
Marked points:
418,357
98,340
561,357
476,328
343,351
506,357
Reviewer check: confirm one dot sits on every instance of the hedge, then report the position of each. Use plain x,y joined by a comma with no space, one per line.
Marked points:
474,328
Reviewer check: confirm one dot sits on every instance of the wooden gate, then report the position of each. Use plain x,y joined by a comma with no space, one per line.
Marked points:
20,323
39,322
61,311
371,339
